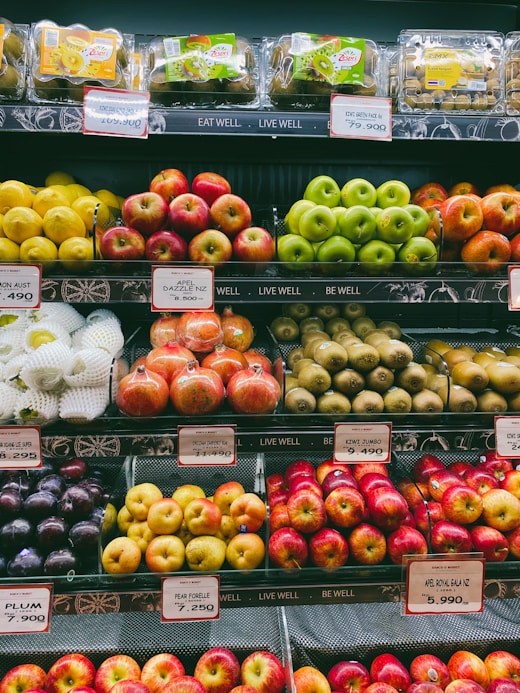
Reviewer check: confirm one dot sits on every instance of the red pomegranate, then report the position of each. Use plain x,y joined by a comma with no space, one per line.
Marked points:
163,329
200,331
168,359
253,391
225,360
142,393
196,390
238,330
140,360
256,358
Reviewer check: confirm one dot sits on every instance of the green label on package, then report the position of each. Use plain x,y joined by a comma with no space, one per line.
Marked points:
198,58
332,59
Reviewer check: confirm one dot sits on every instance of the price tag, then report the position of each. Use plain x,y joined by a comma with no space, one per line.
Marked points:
20,286
182,288
361,117
436,585
356,443
190,598
20,447
25,609
507,436
115,112
208,445
514,287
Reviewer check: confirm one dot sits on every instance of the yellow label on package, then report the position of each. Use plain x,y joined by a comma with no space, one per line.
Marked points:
78,53
447,68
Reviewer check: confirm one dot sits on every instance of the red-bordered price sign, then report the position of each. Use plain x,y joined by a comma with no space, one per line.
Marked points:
206,445
25,609
115,112
20,286
361,117
20,447
362,442
191,598
182,288
507,436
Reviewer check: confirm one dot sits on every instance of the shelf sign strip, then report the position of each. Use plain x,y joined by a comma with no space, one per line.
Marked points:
115,112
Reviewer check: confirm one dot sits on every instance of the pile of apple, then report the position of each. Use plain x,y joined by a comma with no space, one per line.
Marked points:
198,361
335,227
173,221
216,670
187,530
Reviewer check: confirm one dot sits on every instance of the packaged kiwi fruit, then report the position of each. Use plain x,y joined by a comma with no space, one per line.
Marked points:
63,60
203,71
512,72
13,60
451,71
302,69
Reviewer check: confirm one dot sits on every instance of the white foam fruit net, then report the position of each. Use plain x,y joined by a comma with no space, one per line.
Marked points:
36,407
14,319
12,371
89,367
83,404
46,367
64,313
106,334
101,314
44,332
11,344
8,398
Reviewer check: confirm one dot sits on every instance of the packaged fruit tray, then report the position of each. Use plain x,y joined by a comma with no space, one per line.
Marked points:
14,55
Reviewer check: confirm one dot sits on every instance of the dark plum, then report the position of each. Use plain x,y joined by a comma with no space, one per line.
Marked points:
40,504
16,534
54,483
74,469
39,472
52,533
20,481
26,563
76,503
60,562
3,565
95,487
10,503
84,535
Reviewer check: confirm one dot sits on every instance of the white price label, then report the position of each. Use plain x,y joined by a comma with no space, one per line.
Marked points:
25,609
208,445
507,436
20,447
444,586
182,288
514,287
191,599
356,443
20,286
361,117
115,112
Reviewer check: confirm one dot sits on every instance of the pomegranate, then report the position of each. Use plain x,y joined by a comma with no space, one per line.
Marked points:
238,330
140,361
168,359
196,390
142,393
256,358
225,360
253,391
200,331
163,329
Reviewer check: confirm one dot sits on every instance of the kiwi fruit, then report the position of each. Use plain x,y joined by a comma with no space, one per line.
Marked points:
312,334
311,344
331,356
285,329
394,353
470,351
433,351
513,350
375,337
427,402
297,311
412,377
494,350
504,377
379,379
493,402
354,310
313,322
368,402
511,358
294,355
461,399
484,359
471,375
332,402
346,340
513,402
301,363
392,328
348,381
362,357
327,311
315,378
454,356
397,401
337,324
298,400
363,325
290,381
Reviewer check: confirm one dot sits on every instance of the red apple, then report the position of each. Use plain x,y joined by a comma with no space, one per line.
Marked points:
404,541
429,667
387,668
513,539
511,482
381,687
254,246
463,187
459,467
503,664
424,687
345,507
461,217
264,671
210,247
387,508
486,252
274,481
465,664
491,462
337,478
306,511
122,243
330,465
169,183
501,212
462,504
450,537
425,465
116,668
288,549
493,544
24,677
218,669
187,684
69,671
279,517
279,496
307,482
210,185
440,480
414,492
426,515
159,669
328,548
503,685
145,211
300,466
361,468
188,214
225,494
428,192
367,544
480,479
514,243
501,509
129,686
349,676
166,246
373,480
461,685
230,213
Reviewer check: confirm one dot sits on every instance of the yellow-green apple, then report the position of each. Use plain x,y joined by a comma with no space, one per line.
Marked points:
500,187
461,217
121,555
164,554
461,503
245,551
225,494
264,671
230,213
394,224
357,223
387,508
465,664
344,507
387,668
202,516
348,675
392,193
328,548
188,214
441,479
372,480
124,519
461,685
421,218
166,246
503,664
358,191
165,516
309,679
424,687
205,553
184,493
323,190
23,677
288,549
511,482
122,243
480,479
299,467
425,464
450,537
308,482
501,509
428,192
278,517
140,497
492,462
367,544
405,540
210,247
335,256
116,668
463,187
140,532
254,245
501,212
429,667
418,255
330,465
376,257
503,685
210,185
248,512
129,686
218,669
493,544
306,511
160,669
336,478
145,211
169,182
188,684
317,223
486,252
292,218
359,469
426,515
295,252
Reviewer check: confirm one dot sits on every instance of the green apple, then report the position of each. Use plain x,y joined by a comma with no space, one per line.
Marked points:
393,193
421,219
394,225
295,252
323,190
358,224
335,256
317,223
358,191
292,218
376,257
418,255
375,210
338,212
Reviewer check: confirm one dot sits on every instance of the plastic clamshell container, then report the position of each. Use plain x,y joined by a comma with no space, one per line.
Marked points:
13,60
451,71
512,73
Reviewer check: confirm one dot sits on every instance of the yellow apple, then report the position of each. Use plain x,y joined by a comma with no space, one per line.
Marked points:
226,493
248,512
186,492
140,497
165,554
165,516
245,551
202,516
205,553
121,555
141,533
